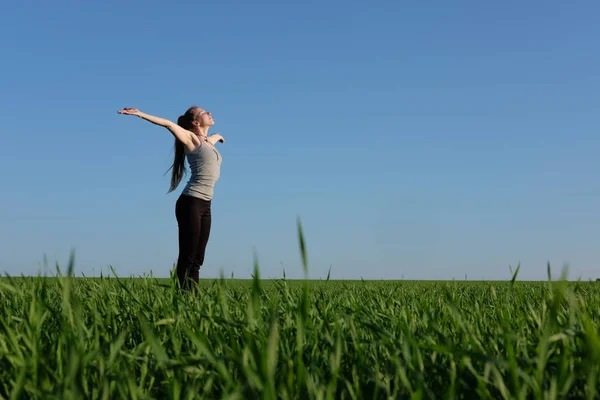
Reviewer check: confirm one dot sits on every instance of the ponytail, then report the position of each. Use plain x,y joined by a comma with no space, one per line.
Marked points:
178,166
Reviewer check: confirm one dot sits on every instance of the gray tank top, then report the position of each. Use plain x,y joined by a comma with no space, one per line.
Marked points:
205,166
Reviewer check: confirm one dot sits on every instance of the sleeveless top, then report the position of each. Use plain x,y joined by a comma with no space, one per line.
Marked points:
205,166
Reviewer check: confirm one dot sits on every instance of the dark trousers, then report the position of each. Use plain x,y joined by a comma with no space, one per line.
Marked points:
193,220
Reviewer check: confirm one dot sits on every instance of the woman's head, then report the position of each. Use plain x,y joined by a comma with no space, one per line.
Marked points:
196,120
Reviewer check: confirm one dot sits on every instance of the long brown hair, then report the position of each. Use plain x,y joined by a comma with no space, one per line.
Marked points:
178,168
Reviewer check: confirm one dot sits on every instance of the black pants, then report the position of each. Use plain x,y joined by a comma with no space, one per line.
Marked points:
194,220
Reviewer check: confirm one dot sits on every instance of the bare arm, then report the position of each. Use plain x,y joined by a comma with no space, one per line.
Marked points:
186,137
212,139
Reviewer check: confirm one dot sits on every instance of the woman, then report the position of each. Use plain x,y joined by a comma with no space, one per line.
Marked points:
193,206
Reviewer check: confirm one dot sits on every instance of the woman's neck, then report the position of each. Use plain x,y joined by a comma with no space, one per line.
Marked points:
202,132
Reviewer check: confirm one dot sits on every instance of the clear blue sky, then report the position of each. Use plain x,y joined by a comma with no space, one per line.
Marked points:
424,141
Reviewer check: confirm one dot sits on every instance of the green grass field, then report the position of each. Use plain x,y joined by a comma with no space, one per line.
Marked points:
75,338
139,338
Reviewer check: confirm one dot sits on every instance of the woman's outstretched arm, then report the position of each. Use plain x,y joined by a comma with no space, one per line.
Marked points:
186,137
214,138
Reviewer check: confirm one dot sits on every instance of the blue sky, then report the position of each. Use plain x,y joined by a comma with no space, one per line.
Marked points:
415,141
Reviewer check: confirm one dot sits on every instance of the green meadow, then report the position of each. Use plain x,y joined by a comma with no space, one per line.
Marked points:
107,338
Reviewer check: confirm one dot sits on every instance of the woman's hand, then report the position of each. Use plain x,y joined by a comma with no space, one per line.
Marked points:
129,111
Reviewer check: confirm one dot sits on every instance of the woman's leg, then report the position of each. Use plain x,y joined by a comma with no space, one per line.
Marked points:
205,225
193,231
188,222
